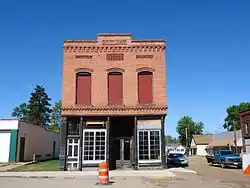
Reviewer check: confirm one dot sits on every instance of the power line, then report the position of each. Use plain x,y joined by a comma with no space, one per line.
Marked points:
216,131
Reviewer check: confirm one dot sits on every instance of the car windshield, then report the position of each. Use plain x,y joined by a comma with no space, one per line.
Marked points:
176,155
226,152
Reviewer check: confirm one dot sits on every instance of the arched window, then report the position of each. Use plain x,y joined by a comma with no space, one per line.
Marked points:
115,88
83,88
145,87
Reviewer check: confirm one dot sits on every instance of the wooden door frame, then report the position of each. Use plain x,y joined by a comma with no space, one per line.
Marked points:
21,157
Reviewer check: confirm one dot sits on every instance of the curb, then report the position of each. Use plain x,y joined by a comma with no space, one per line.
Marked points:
37,177
183,170
49,177
81,177
55,175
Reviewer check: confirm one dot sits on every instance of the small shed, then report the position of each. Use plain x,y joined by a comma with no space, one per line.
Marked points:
21,141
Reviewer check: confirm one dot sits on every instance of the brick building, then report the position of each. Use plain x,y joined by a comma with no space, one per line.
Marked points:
245,129
113,103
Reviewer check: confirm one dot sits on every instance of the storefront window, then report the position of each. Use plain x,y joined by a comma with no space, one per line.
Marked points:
149,146
94,145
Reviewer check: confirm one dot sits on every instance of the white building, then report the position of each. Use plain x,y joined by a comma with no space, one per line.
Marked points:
21,141
199,144
175,148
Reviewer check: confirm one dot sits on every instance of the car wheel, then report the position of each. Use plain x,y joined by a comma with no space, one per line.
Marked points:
223,164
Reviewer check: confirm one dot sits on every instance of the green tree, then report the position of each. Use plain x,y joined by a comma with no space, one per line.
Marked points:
171,140
186,122
55,117
21,112
233,115
39,107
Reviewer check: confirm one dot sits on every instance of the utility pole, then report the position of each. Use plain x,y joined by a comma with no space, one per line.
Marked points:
187,139
235,137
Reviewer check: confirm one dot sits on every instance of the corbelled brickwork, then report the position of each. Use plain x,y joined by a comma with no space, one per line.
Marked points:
130,57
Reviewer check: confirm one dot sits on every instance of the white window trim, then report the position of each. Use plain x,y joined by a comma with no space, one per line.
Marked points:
95,122
73,149
150,160
94,161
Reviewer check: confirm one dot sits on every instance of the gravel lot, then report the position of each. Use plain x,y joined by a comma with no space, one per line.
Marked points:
207,177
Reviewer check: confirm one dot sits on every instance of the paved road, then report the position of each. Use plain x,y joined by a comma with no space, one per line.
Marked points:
206,177
71,183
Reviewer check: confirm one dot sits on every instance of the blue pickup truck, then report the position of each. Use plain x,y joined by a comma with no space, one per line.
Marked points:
225,158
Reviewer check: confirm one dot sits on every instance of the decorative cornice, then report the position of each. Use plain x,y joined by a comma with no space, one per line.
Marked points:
142,69
114,34
244,115
115,69
153,40
81,41
83,70
114,108
97,49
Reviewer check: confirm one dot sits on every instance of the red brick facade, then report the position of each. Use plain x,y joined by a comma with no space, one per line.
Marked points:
114,53
245,129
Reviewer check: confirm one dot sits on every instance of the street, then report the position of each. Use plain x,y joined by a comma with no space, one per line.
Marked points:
206,177
201,166
209,176
74,183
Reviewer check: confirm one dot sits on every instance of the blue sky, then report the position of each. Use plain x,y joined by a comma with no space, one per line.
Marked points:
207,54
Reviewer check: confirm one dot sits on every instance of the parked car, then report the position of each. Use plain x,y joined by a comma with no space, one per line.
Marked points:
177,160
225,158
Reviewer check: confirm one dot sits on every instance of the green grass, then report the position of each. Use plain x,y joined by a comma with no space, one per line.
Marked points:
52,165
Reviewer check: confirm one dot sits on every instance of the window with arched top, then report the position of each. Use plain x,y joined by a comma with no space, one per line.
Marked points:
115,88
83,88
145,87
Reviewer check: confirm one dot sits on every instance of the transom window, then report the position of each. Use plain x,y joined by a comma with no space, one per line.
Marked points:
73,127
149,146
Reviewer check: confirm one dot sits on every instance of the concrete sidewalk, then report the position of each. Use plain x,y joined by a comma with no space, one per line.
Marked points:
184,170
7,167
85,174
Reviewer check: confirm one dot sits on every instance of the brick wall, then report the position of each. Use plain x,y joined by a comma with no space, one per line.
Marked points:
90,55
245,123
